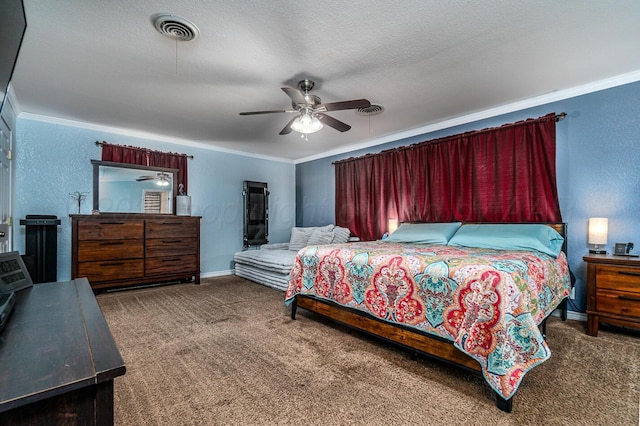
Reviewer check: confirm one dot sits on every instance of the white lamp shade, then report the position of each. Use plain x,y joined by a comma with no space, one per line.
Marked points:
306,123
598,229
393,225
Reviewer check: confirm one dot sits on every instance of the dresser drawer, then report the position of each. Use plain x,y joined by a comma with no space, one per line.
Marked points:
615,302
157,247
171,265
110,230
618,278
110,249
109,270
172,227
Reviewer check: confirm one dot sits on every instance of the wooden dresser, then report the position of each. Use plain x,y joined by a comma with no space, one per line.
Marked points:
119,250
613,291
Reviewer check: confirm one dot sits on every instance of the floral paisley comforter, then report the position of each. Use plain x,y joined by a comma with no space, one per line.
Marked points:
487,302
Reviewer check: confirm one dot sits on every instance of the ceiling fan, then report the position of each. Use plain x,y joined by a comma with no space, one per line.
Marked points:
311,111
162,179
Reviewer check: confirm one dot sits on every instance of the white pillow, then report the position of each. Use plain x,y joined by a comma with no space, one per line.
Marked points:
340,235
299,238
319,237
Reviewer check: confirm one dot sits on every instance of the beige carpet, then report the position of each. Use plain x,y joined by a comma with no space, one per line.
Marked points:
226,352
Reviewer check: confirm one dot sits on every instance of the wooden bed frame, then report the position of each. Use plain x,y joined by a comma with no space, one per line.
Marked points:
415,340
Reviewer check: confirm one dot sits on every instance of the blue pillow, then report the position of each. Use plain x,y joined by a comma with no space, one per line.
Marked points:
538,237
424,233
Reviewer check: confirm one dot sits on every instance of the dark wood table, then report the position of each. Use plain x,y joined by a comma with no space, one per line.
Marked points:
58,358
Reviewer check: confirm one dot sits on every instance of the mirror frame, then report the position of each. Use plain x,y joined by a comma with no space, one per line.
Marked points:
96,181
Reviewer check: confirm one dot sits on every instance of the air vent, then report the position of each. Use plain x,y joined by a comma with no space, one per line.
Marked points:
370,110
175,27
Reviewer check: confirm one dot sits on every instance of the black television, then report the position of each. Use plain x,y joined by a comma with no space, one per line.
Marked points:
13,24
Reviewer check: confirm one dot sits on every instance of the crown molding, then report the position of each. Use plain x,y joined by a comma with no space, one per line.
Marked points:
143,135
536,101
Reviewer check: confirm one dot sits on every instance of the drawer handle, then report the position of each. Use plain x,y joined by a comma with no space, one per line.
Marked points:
111,243
632,298
633,274
172,223
176,259
111,223
112,264
171,241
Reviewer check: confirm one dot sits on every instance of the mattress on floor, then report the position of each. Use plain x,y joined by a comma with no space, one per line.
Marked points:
272,279
278,261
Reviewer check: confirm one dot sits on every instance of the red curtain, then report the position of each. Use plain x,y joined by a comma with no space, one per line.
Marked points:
503,174
146,157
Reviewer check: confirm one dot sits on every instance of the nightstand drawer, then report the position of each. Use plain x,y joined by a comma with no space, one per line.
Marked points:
615,302
618,278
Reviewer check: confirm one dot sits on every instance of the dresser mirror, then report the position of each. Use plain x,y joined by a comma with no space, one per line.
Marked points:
132,188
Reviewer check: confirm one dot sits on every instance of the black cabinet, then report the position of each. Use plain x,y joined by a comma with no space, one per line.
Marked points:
41,247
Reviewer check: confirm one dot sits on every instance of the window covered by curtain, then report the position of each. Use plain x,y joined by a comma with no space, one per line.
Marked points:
502,174
146,157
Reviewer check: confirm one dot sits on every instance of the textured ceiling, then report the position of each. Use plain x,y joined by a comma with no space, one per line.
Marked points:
103,62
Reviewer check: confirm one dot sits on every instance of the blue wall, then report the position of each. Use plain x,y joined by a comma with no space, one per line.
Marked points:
598,170
53,160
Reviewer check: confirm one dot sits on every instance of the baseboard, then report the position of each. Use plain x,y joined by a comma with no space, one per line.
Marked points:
216,274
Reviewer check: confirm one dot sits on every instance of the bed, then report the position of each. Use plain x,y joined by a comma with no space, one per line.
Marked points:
475,295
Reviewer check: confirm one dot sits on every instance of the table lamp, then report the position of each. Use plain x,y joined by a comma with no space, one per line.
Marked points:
598,228
392,226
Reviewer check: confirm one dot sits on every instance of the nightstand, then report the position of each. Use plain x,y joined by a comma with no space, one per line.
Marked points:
613,291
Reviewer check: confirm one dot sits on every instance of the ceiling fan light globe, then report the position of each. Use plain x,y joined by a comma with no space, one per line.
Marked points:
306,124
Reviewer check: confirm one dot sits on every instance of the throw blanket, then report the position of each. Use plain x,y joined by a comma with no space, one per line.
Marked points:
487,302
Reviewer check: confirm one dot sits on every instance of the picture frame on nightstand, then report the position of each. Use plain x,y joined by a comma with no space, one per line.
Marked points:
624,249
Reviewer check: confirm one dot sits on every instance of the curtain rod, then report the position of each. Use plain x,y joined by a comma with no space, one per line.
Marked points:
98,143
558,117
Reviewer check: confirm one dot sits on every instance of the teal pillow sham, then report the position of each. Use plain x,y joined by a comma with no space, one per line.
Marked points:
424,233
528,236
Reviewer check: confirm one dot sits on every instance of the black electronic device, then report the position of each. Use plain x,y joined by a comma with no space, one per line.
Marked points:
624,249
14,275
7,301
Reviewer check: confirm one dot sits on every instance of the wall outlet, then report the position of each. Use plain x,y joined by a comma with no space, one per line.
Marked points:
572,296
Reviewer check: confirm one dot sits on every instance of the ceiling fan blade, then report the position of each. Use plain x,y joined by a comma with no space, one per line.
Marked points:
143,178
287,129
264,112
297,97
353,104
332,122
